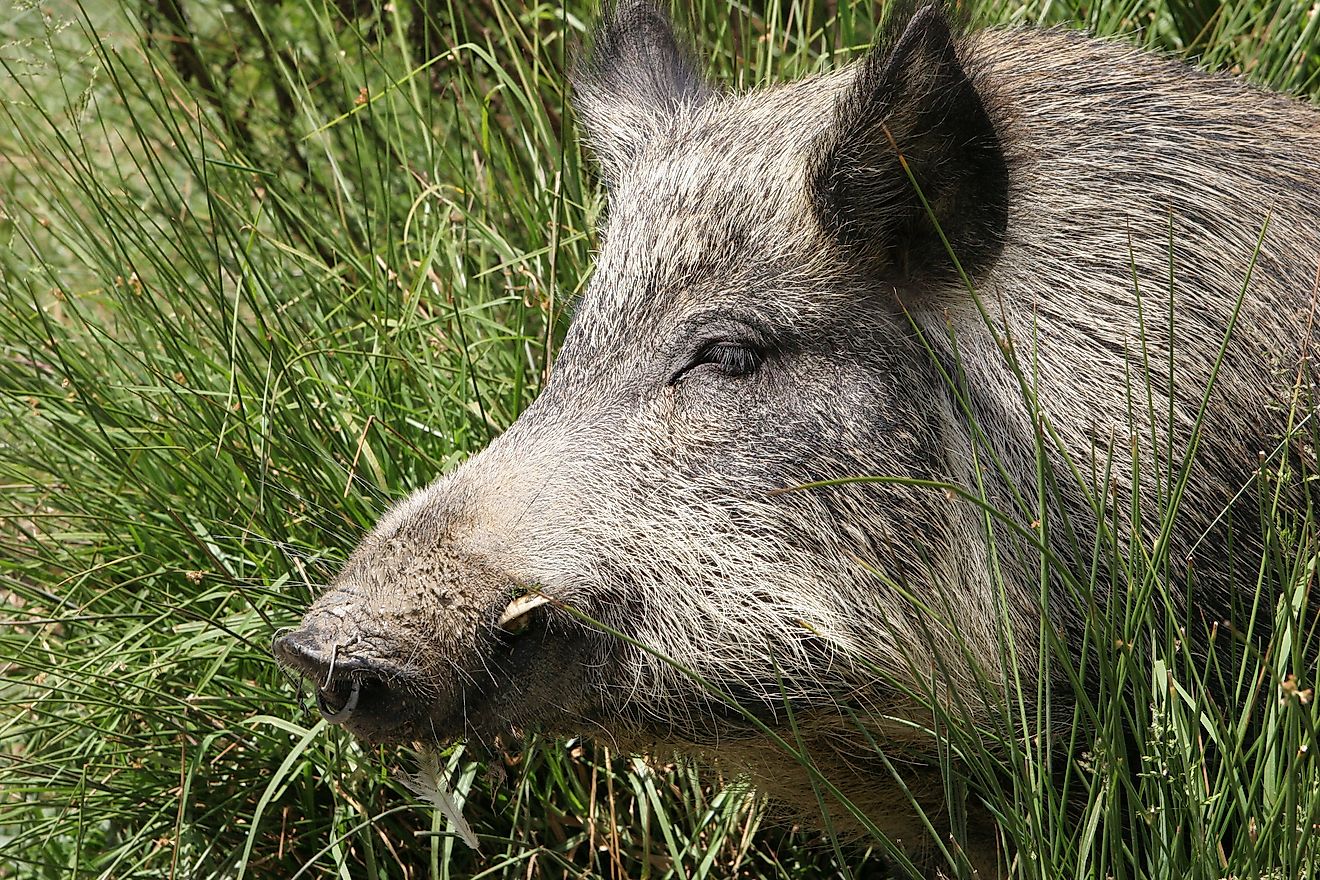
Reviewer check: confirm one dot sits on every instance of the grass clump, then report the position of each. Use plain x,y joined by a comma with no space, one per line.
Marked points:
265,268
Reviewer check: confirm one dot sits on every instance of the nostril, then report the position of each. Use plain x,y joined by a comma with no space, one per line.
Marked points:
304,651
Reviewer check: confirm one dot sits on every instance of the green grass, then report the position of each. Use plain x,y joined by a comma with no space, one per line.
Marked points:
261,274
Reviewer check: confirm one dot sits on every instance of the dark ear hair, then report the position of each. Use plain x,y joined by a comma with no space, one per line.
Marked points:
913,106
633,84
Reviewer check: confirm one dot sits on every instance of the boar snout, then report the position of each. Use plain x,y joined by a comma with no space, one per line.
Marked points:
419,673
353,691
451,617
426,635
382,690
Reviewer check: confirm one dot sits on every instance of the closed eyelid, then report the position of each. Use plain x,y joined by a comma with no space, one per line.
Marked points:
705,328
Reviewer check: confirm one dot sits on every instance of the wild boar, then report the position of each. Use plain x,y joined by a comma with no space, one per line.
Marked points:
956,264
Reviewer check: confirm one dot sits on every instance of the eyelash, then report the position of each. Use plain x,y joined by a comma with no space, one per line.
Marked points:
733,359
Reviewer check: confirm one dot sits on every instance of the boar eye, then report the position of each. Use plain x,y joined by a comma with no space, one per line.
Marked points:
734,359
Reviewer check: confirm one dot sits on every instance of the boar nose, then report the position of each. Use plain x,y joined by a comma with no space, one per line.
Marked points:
345,685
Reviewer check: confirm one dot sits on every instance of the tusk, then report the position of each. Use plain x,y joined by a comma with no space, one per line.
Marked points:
513,618
340,715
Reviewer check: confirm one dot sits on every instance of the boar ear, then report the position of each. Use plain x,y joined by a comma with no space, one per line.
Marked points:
913,105
634,83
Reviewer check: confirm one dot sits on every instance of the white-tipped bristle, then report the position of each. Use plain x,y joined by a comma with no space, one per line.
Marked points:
426,784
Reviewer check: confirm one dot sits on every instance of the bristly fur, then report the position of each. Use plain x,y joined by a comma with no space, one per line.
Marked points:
636,83
770,309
